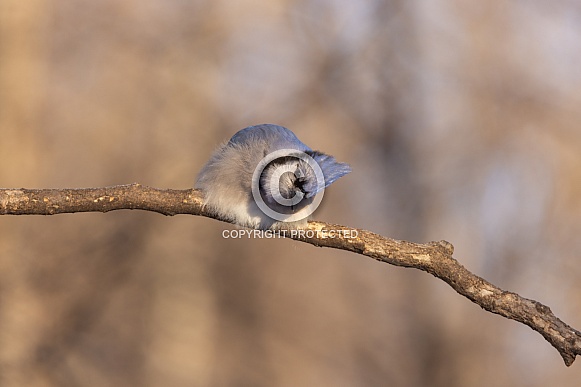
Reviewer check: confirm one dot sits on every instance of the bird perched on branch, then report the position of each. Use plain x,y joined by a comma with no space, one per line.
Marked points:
264,177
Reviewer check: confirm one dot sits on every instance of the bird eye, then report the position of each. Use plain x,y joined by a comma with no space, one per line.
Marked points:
300,182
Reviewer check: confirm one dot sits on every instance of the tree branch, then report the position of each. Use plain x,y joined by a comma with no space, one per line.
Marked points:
434,257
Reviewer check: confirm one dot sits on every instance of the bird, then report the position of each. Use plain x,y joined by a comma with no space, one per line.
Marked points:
265,178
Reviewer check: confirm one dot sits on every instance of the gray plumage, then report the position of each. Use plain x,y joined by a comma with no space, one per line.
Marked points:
227,178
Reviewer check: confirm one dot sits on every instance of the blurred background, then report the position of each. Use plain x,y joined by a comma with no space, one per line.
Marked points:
461,121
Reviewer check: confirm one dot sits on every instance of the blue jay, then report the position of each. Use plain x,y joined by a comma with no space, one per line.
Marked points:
266,178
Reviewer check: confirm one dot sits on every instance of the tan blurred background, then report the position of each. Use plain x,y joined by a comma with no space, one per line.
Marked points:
461,121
